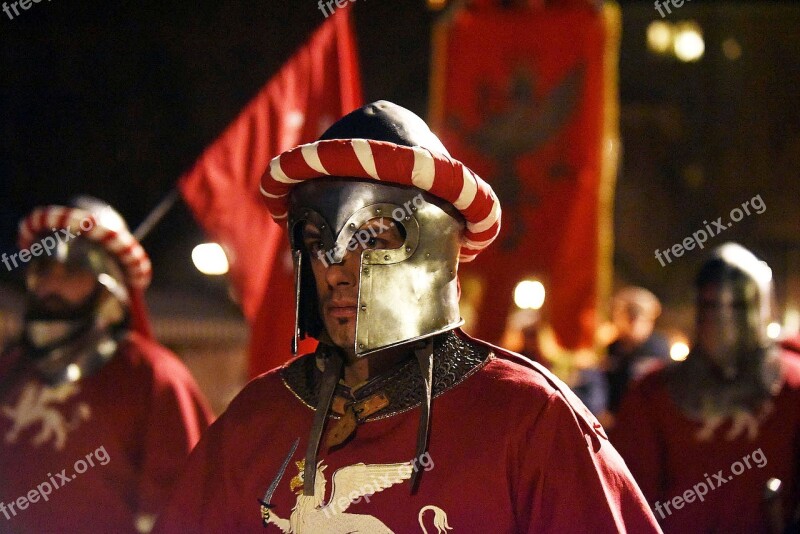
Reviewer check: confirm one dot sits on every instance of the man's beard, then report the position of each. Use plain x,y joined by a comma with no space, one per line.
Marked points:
56,307
53,320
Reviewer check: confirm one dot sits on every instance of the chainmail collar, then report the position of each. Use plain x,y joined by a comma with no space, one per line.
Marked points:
702,392
454,359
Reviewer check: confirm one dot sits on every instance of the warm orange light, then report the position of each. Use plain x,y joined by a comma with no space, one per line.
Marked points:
679,351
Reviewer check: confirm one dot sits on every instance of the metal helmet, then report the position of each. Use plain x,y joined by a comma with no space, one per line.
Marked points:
734,304
383,161
405,294
733,367
88,236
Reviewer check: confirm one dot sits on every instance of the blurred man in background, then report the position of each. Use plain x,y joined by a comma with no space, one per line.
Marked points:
704,438
637,349
96,418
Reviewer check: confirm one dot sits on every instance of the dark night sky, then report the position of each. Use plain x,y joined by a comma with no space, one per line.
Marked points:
118,98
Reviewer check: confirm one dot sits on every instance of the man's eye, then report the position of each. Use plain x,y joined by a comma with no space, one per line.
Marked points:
378,243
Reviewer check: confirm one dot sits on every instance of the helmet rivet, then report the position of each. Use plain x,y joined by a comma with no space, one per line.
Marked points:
408,218
363,308
413,208
352,225
387,257
321,226
408,249
366,271
377,210
427,254
360,345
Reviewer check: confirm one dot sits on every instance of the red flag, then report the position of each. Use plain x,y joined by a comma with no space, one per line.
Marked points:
316,86
533,111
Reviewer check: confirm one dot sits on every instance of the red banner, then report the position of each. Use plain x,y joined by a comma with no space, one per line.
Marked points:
527,99
315,87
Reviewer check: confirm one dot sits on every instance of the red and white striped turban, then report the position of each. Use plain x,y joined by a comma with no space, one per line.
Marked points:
110,232
435,173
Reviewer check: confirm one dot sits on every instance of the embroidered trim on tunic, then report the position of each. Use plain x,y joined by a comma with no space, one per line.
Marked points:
454,360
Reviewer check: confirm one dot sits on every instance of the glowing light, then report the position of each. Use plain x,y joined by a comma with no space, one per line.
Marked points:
73,372
679,351
773,330
659,37
529,295
688,44
732,49
209,258
106,347
774,484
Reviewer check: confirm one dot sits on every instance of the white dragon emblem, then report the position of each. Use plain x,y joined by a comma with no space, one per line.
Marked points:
38,404
743,422
350,484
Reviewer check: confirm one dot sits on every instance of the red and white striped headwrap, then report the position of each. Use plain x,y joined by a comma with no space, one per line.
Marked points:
118,241
435,173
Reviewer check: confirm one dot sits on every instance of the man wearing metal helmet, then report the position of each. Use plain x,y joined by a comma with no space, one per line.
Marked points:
399,422
705,437
96,418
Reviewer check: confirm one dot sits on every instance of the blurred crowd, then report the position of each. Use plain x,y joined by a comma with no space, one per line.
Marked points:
630,347
678,420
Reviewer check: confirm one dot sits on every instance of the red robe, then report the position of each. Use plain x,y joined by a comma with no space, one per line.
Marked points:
92,455
659,444
511,450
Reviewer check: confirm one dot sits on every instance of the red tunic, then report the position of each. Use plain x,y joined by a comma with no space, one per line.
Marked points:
659,444
511,450
91,456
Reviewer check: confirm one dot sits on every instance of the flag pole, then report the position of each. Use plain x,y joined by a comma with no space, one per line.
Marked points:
156,214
